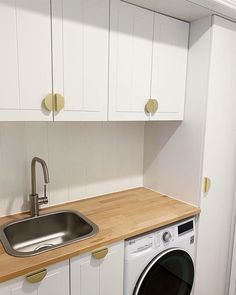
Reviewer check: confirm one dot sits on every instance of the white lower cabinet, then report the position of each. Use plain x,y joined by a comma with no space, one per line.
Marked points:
56,282
96,273
94,276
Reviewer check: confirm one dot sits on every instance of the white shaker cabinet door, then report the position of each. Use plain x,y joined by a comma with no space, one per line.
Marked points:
90,276
55,282
170,52
131,37
80,58
25,59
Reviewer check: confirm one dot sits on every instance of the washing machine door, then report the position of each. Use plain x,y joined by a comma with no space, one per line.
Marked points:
170,273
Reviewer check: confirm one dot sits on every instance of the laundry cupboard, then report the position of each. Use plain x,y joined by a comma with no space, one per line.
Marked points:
97,60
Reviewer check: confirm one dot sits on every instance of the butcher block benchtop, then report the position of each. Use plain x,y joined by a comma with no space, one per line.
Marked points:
119,216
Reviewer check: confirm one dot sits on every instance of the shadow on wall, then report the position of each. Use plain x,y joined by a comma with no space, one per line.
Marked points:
157,136
172,159
73,11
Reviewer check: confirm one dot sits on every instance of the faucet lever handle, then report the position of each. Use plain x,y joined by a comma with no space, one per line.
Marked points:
45,191
44,199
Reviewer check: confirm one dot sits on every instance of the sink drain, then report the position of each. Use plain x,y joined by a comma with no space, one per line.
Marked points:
43,247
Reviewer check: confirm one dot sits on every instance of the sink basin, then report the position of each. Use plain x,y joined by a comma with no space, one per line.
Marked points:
31,236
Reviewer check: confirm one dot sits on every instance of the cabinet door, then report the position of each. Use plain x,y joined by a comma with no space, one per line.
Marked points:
90,276
55,282
80,58
170,51
25,58
131,37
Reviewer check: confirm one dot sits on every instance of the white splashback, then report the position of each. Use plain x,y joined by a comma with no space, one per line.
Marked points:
85,159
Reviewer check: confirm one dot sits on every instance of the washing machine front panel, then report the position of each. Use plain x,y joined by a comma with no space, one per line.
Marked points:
140,251
169,273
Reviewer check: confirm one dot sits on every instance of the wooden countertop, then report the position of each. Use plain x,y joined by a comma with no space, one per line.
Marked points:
119,216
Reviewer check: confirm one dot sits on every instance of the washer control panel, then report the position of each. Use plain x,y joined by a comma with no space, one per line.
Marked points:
160,239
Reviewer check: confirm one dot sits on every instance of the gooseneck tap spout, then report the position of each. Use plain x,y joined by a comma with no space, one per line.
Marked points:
35,200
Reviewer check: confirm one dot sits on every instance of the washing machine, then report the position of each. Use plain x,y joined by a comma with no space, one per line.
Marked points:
161,262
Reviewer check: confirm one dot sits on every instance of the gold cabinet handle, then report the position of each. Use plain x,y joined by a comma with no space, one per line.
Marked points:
48,102
206,184
151,106
37,276
100,253
54,102
59,102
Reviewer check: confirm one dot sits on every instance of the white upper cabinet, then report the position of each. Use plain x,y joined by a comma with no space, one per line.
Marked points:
80,58
55,282
148,59
62,47
170,53
131,35
25,58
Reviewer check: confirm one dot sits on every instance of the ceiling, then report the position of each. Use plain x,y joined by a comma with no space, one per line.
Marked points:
189,10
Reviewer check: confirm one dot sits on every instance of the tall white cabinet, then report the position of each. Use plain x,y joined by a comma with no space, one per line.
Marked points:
219,163
25,58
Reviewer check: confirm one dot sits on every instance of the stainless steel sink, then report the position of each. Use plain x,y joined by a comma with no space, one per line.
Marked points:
31,236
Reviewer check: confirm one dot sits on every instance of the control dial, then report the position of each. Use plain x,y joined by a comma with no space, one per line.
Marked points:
166,237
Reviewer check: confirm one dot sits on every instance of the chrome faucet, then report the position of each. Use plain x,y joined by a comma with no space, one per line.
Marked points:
35,200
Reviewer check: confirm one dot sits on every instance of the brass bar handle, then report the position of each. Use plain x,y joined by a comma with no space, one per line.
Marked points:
48,102
206,184
59,102
151,106
100,253
36,277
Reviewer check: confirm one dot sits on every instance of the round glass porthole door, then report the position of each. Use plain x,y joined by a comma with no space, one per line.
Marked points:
170,273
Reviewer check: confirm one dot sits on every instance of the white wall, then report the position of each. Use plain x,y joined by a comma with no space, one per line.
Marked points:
84,159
